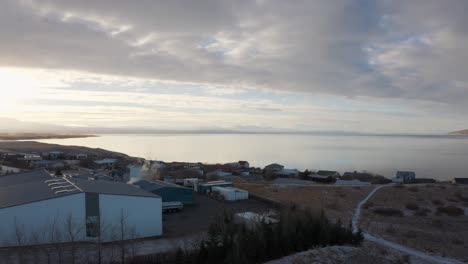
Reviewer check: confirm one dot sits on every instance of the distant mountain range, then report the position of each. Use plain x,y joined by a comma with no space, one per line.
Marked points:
460,132
12,126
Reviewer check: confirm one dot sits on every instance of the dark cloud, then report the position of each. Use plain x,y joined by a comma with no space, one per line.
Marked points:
405,49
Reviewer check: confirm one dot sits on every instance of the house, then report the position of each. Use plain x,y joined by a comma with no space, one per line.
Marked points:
75,156
243,164
105,163
55,155
461,180
169,192
273,167
361,176
286,173
405,177
47,164
34,200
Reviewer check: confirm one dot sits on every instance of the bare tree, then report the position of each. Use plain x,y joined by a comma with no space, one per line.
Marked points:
73,232
20,238
122,233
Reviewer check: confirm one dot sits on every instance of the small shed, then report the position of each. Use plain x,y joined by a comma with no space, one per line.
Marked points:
231,193
169,192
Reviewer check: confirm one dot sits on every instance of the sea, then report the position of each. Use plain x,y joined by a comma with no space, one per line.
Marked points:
437,157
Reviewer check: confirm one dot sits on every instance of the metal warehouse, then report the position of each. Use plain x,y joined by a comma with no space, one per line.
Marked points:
169,192
207,187
37,203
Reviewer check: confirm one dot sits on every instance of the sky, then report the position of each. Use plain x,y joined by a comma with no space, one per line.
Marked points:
380,66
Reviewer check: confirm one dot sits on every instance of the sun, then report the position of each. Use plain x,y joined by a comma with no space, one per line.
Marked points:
16,83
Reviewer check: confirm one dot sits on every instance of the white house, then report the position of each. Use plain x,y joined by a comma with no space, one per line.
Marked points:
39,205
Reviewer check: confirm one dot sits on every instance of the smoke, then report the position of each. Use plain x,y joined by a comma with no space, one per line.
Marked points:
150,170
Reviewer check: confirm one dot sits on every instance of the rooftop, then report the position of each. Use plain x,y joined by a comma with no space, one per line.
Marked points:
405,173
105,161
326,172
38,185
154,185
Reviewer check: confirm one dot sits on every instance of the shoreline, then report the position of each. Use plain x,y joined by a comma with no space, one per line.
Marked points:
28,136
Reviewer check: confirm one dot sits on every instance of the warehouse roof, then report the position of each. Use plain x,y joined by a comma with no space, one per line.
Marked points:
111,187
38,185
154,185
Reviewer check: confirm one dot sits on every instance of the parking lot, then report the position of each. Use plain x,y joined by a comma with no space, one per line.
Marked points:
197,218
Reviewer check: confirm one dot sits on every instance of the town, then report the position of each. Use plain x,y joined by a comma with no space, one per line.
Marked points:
60,197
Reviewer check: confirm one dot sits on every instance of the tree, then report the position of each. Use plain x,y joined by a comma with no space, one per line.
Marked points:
73,231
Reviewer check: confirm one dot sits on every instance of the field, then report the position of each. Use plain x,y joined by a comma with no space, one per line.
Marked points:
432,218
338,202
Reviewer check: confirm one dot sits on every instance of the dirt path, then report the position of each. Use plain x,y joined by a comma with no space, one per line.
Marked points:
388,244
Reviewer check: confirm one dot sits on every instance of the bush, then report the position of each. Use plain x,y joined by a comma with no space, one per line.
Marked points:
231,242
413,189
412,206
438,224
422,212
437,202
388,212
451,210
461,197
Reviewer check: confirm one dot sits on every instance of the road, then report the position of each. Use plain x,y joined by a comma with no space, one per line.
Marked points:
392,245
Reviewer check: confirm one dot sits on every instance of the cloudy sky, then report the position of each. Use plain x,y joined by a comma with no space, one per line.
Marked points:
349,65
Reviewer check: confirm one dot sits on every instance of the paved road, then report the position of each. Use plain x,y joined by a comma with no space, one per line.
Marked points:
392,245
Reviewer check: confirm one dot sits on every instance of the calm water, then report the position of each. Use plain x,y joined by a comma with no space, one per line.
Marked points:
437,157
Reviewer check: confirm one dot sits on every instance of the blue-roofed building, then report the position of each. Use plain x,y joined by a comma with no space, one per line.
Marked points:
169,192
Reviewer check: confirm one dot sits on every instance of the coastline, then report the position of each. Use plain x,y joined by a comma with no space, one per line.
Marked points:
33,136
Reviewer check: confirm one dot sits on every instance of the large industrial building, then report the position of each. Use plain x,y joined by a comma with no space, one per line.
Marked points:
35,207
169,192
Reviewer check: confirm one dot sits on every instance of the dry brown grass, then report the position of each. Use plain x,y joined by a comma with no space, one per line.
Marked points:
338,202
426,228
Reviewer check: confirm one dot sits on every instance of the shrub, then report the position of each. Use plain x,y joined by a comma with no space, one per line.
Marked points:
413,189
228,241
451,210
438,223
412,206
388,212
437,202
390,229
422,212
442,187
461,197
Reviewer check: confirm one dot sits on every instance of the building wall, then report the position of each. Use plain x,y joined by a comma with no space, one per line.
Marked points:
35,220
143,214
175,194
